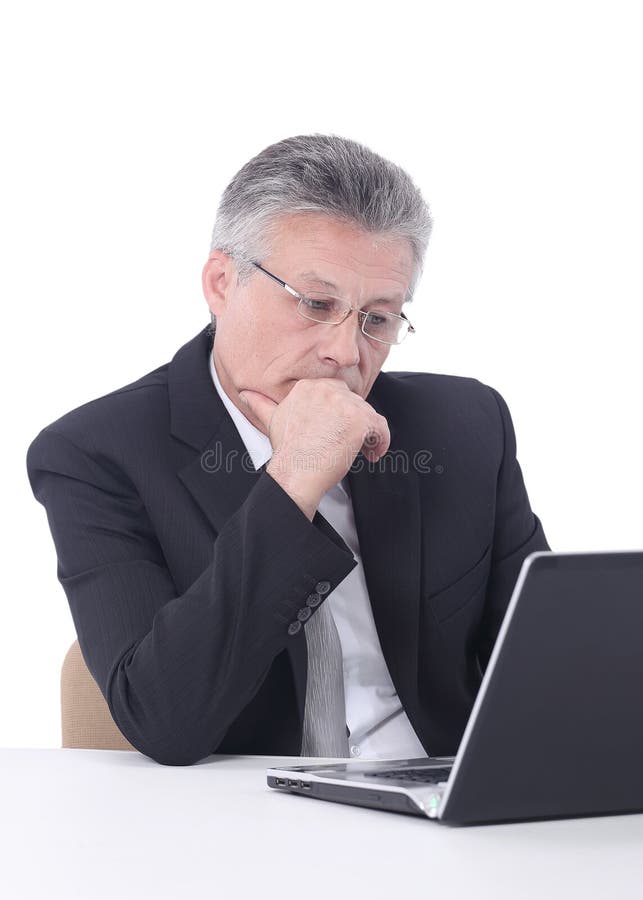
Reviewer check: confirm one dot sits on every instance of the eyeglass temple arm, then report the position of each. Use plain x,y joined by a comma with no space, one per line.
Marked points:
278,280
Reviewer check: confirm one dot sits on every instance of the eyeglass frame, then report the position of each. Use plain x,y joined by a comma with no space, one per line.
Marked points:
360,313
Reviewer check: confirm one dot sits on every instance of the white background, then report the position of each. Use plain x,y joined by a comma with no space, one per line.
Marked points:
123,122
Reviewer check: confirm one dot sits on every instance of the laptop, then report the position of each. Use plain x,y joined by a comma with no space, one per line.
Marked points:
557,726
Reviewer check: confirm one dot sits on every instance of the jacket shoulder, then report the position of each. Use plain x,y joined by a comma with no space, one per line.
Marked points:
427,403
139,405
436,388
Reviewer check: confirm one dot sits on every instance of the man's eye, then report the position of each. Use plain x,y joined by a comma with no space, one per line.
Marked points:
313,303
374,319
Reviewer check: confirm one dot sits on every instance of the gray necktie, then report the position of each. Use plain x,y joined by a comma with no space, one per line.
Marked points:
325,710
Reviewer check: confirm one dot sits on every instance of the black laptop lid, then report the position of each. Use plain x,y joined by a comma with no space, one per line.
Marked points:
559,724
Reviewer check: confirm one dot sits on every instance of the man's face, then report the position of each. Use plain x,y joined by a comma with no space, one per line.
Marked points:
262,344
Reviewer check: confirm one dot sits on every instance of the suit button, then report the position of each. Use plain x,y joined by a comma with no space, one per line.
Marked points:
322,587
313,600
304,613
294,627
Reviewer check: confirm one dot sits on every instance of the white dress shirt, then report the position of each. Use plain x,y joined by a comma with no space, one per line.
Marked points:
379,727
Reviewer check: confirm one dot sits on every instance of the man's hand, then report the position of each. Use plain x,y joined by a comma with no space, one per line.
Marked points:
316,432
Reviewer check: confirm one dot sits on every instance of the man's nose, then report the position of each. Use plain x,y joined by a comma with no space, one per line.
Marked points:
341,342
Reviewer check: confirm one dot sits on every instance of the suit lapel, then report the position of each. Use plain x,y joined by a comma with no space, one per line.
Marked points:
221,474
386,506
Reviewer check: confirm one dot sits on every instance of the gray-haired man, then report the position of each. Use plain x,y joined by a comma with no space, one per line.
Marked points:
268,545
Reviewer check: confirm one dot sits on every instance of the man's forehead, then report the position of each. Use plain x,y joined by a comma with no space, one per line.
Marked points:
324,253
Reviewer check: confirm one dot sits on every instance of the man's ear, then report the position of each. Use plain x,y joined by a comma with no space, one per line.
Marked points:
217,278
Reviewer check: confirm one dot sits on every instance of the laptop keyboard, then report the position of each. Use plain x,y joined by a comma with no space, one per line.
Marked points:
421,776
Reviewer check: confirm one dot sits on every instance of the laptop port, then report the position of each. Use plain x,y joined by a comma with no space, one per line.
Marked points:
292,783
280,782
304,786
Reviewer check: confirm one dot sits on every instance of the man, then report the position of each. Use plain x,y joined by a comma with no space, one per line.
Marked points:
267,544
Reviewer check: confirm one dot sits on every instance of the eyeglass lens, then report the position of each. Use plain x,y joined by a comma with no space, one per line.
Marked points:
377,323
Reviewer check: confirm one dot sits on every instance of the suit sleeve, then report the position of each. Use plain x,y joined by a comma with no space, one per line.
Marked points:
517,533
176,670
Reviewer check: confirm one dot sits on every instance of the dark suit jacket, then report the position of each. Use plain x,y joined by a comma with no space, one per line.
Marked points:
184,567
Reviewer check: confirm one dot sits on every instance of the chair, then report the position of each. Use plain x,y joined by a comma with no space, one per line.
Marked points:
86,719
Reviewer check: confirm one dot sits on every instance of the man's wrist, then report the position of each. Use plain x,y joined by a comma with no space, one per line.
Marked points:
298,493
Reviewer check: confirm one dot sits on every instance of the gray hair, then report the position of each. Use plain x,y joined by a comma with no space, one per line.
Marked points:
319,173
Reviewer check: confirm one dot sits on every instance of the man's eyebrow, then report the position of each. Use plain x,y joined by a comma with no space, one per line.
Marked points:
314,278
317,280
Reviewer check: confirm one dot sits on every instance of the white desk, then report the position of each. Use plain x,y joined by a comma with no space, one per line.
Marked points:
95,824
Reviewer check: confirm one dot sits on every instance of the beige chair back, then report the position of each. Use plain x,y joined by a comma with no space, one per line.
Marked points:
86,719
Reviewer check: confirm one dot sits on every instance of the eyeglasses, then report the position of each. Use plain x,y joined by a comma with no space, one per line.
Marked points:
386,327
